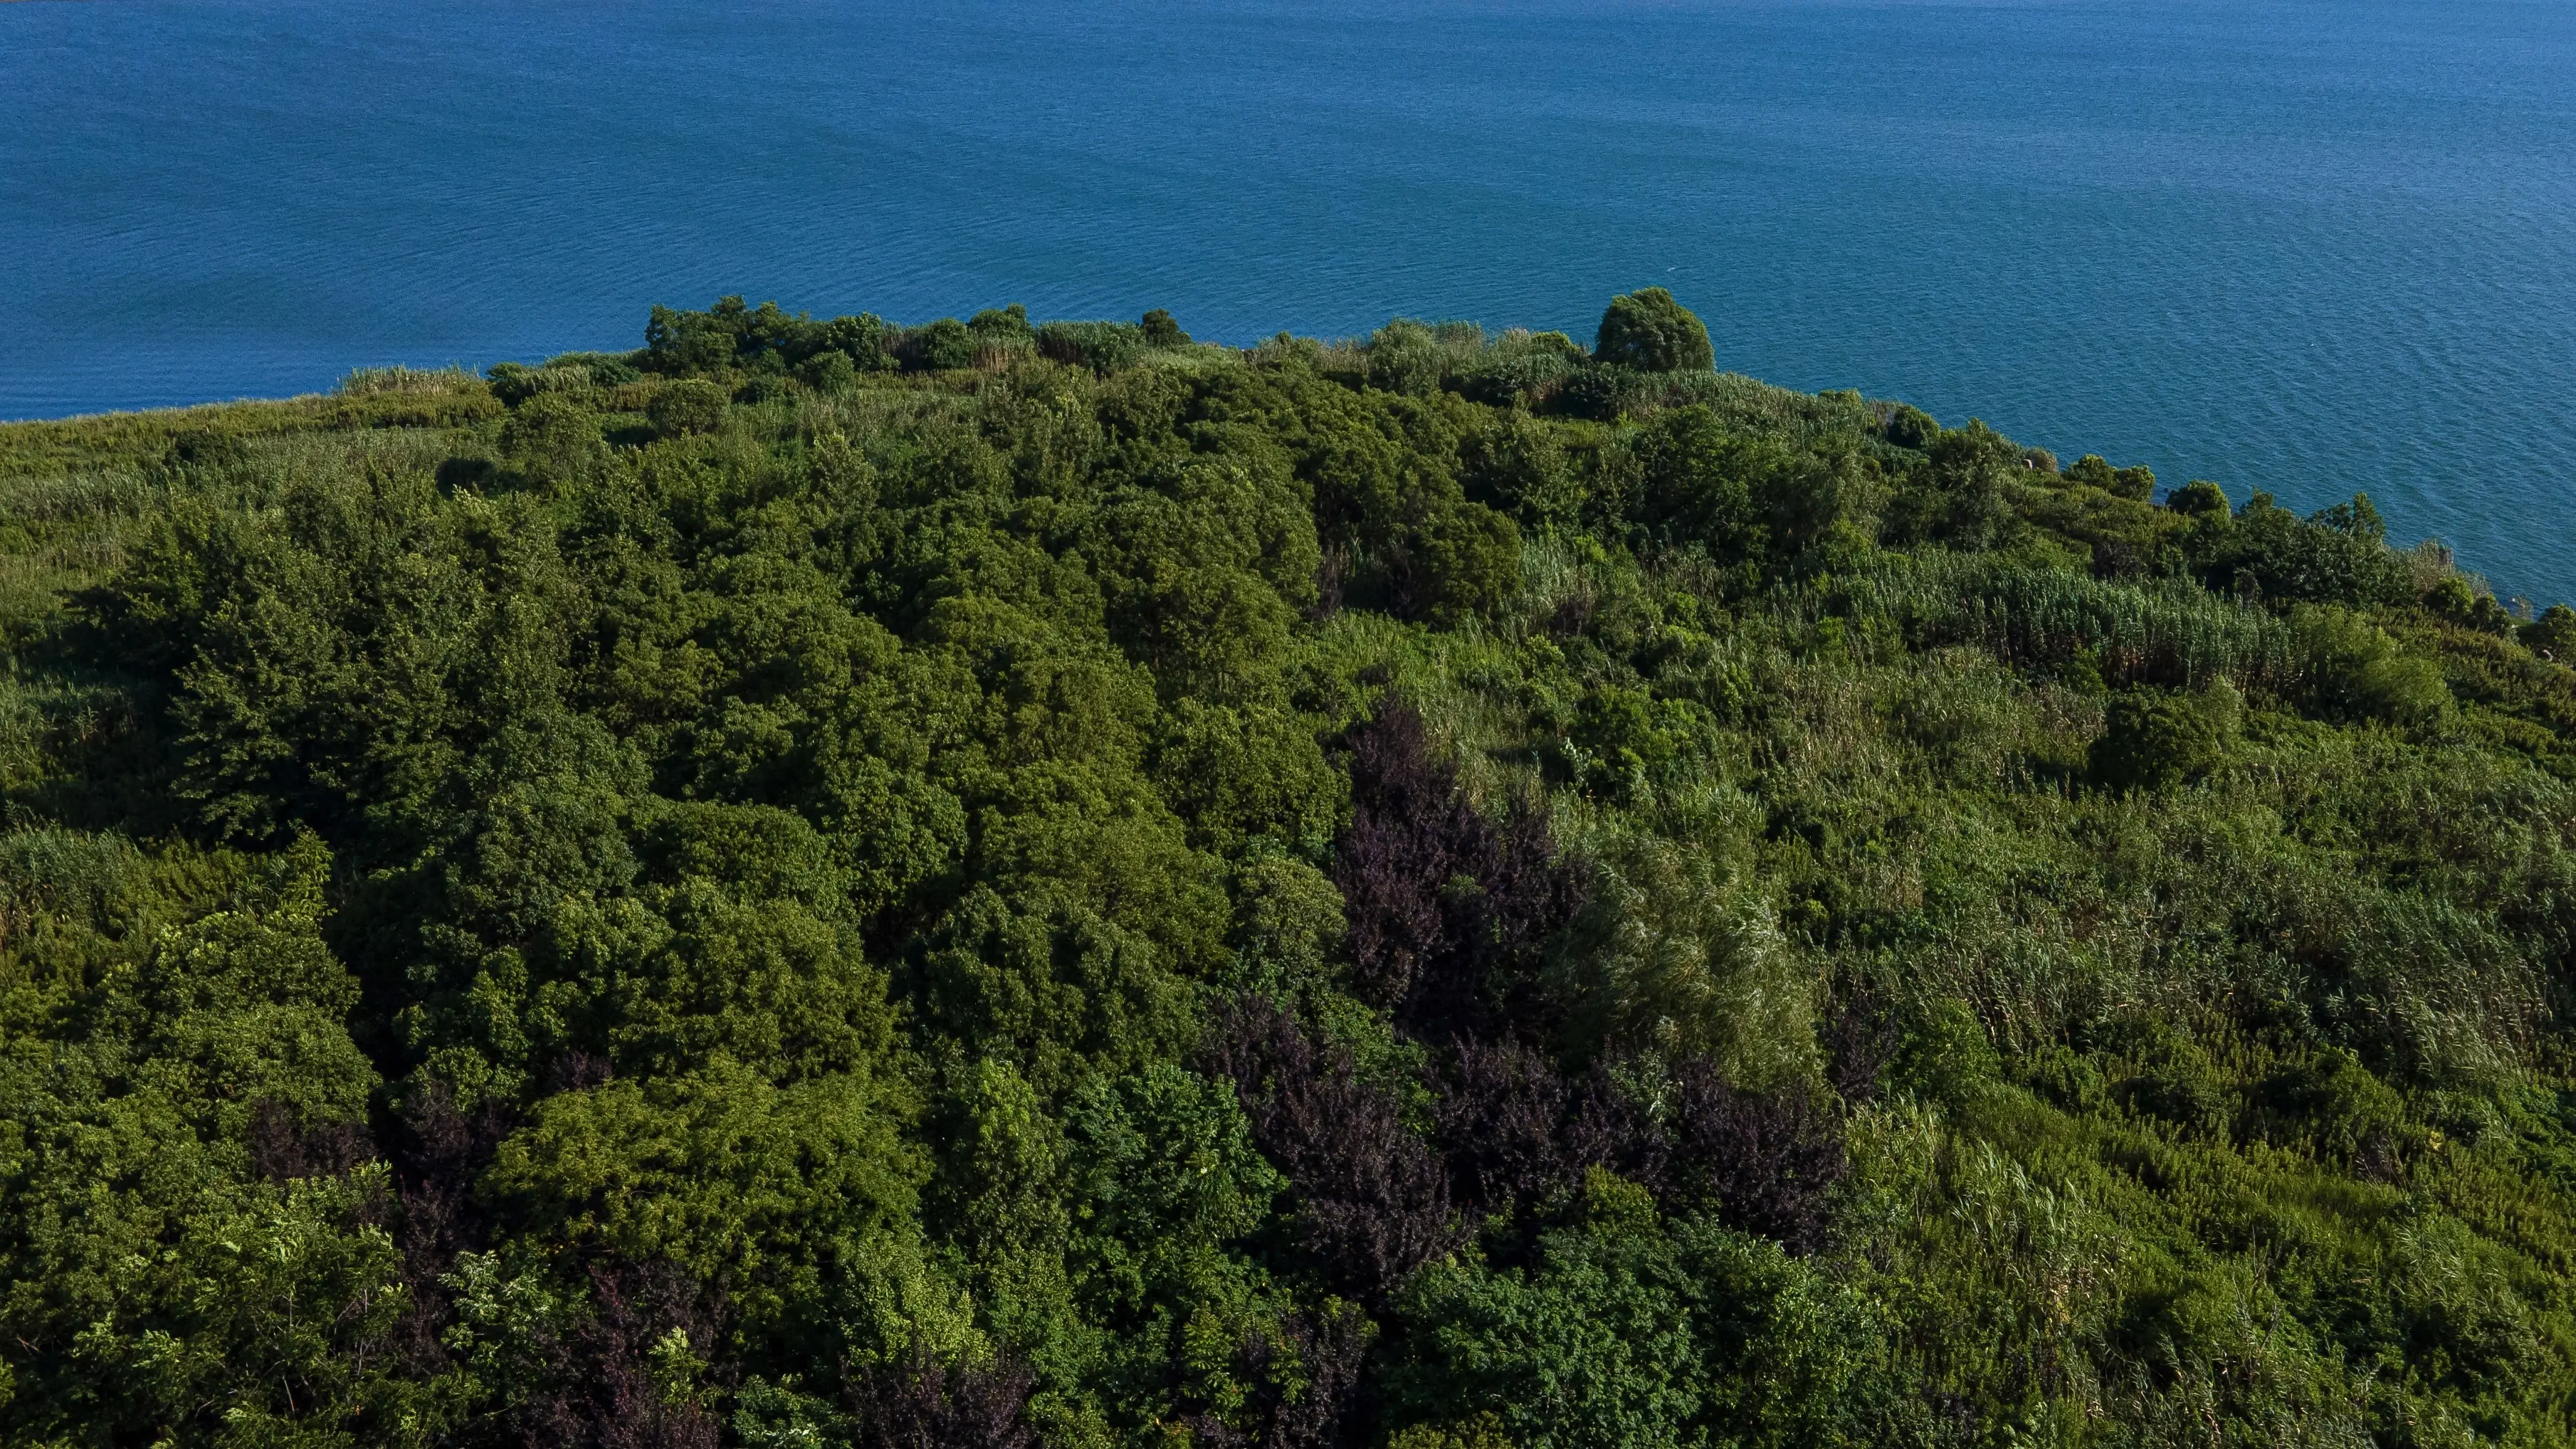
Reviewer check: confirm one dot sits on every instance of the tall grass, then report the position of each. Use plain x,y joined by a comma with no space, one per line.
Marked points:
2164,632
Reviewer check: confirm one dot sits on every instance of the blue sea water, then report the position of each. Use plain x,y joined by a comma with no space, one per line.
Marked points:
2309,246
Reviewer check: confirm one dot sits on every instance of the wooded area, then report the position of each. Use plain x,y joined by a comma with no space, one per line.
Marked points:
823,883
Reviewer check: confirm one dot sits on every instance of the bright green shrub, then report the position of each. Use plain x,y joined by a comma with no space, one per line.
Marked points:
2200,498
2355,670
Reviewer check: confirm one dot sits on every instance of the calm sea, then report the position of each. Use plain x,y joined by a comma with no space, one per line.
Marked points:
2307,247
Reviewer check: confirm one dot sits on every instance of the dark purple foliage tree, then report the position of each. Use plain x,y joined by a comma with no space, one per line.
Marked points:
603,1387
958,1406
284,1146
1764,1162
1446,908
1373,1202
1503,1126
441,1151
1307,1382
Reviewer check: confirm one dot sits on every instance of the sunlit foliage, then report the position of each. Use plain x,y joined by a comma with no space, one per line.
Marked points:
1040,883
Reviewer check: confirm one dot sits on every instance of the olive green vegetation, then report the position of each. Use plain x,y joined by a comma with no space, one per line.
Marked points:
827,883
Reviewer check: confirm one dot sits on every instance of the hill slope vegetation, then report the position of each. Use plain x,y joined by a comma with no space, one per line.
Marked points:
993,884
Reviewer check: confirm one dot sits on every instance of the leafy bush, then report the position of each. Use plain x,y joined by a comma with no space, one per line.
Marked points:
865,339
1649,331
1520,373
2137,482
828,371
1445,906
2153,740
2200,498
514,383
1631,1334
2453,599
688,406
943,346
606,369
1406,356
1373,1203
1910,427
1002,329
2355,671
2336,557
1607,391
2553,634
1668,956
1104,347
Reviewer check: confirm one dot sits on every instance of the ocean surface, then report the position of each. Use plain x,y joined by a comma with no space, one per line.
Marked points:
2309,246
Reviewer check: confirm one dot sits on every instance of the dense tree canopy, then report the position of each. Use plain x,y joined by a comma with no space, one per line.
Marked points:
1010,883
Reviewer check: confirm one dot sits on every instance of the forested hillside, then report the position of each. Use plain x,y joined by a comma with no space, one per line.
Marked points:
830,884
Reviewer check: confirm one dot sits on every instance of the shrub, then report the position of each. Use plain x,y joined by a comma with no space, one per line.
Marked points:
968,1406
2155,739
1649,331
1161,331
1502,1119
1519,467
1503,381
1764,1163
1373,1203
1446,908
1001,331
2453,599
763,387
1670,956
691,405
2355,671
606,369
1606,391
1633,1333
864,339
1908,426
1405,356
2199,498
830,372
2553,634
726,336
204,452
2091,470
943,346
551,440
1464,562
2335,557
514,383
1104,347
